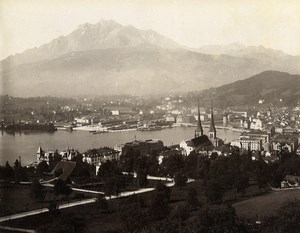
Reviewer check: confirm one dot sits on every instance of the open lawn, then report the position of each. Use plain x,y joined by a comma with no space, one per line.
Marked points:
265,205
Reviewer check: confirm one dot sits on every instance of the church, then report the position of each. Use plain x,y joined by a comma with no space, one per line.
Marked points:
201,142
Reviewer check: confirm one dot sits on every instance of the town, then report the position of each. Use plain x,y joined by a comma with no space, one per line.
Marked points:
257,162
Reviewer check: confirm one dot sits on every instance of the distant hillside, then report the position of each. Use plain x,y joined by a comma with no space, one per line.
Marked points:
240,50
136,71
270,86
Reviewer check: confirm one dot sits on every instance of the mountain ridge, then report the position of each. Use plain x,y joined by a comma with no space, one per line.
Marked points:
109,58
102,35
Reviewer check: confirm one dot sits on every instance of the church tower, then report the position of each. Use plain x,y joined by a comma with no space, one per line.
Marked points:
199,130
212,133
39,154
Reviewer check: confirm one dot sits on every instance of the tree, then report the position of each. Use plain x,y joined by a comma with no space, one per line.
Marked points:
286,219
180,180
242,182
81,169
108,169
214,218
102,204
261,173
112,185
53,160
132,216
172,164
289,217
214,191
161,188
173,223
192,201
159,203
6,172
42,168
141,170
113,178
69,223
141,177
37,190
19,172
128,159
61,188
152,165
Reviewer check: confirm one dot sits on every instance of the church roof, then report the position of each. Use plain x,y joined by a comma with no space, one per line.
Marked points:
199,141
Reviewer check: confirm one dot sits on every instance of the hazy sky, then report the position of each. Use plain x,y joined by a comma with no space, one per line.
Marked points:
273,23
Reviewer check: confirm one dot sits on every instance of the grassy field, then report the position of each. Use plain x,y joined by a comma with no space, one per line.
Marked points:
265,205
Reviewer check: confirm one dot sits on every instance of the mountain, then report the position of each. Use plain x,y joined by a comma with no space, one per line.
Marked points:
220,49
105,34
269,86
260,53
108,59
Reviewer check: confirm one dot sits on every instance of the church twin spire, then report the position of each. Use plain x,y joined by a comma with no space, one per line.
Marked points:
212,133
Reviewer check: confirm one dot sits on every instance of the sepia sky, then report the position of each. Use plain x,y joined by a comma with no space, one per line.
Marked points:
272,23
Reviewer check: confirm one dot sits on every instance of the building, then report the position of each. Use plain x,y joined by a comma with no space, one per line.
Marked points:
144,147
290,181
240,113
249,143
202,143
170,118
256,124
83,120
198,144
255,140
287,143
182,119
100,155
47,155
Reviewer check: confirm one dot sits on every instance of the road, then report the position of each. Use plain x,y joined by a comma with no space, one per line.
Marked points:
77,189
14,229
43,210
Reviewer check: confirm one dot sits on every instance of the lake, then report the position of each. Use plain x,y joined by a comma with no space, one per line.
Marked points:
26,144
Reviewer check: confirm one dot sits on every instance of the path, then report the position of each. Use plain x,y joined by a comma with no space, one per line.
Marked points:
14,229
78,190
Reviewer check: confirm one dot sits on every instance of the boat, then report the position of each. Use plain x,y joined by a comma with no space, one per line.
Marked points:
149,128
100,131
